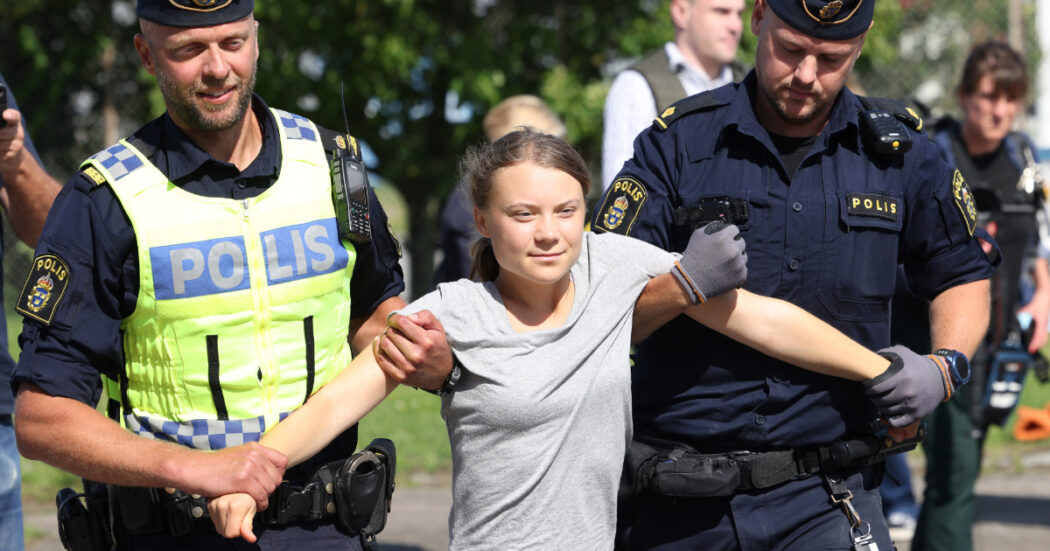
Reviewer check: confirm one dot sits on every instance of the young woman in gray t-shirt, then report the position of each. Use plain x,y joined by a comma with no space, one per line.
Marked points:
541,417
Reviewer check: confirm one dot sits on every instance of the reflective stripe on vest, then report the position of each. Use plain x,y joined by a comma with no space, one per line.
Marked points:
243,306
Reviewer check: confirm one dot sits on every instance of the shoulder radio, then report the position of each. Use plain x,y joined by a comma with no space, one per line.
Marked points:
350,197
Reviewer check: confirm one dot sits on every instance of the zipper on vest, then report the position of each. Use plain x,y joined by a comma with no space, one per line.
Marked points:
264,350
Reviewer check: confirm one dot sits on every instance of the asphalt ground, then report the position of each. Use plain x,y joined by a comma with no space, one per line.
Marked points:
1013,512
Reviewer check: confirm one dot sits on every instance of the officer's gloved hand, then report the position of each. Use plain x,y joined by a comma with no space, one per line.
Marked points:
911,387
714,262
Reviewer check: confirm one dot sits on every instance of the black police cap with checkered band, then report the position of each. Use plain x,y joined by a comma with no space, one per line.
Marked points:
194,13
826,19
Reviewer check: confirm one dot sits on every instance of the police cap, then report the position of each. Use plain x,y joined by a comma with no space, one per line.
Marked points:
194,13
826,19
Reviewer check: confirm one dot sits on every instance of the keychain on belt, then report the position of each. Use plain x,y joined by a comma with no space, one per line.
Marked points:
859,529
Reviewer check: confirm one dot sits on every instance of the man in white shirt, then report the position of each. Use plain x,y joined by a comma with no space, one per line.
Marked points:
701,57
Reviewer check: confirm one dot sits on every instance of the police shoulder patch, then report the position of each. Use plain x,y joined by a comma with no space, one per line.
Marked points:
622,204
44,288
692,104
964,200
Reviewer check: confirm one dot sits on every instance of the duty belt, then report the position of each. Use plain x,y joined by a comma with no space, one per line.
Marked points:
354,493
678,470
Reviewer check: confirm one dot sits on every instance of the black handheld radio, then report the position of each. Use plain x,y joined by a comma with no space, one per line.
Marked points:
350,189
883,132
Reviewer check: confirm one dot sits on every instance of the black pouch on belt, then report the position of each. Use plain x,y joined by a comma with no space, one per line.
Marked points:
679,472
364,487
689,474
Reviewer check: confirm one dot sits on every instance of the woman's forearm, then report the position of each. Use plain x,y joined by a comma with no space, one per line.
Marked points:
331,410
784,331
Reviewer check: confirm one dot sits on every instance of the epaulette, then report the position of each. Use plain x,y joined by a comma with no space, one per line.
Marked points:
333,141
92,174
899,110
692,104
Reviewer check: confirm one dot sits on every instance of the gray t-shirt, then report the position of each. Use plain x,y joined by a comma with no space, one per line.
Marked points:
539,421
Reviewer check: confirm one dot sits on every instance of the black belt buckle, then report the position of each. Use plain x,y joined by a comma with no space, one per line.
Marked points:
181,511
290,504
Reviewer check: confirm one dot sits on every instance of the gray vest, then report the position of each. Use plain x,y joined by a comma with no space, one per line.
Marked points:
666,88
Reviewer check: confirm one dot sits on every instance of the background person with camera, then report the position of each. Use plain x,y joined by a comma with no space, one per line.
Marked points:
1010,193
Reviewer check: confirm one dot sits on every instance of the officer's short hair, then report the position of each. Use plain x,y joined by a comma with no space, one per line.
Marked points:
194,13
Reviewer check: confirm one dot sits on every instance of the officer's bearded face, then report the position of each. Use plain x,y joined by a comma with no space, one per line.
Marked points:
799,76
206,75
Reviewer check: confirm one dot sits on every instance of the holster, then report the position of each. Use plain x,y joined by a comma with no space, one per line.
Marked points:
84,519
355,493
364,487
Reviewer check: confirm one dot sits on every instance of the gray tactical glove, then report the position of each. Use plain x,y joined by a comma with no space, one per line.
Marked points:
913,385
714,262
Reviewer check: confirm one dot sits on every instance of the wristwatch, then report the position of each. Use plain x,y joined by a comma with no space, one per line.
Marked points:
958,365
449,384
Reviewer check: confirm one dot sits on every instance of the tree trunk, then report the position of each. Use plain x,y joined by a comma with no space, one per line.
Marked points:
422,239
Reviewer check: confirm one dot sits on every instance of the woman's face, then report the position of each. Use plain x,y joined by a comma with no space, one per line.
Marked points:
535,219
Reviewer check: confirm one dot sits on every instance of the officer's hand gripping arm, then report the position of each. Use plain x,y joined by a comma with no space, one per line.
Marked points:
77,438
414,350
714,261
913,385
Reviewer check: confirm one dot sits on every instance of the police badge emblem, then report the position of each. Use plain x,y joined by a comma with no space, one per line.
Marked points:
964,200
831,9
622,204
41,293
614,216
44,288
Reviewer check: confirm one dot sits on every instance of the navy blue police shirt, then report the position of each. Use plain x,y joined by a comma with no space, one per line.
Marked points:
827,238
88,229
7,364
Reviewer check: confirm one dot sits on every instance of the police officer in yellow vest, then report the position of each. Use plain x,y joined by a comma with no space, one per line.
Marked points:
197,265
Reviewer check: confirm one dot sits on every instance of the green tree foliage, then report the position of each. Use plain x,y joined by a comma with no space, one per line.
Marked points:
418,75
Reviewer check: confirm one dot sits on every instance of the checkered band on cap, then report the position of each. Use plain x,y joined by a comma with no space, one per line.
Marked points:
826,19
296,127
194,13
201,434
118,160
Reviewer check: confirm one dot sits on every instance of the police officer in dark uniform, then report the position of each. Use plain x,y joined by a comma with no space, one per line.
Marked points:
197,266
829,204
